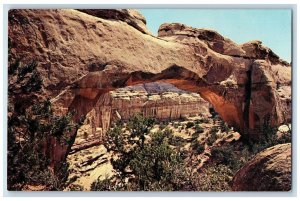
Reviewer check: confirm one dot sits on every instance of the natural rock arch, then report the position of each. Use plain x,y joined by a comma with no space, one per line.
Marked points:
81,54
88,93
89,90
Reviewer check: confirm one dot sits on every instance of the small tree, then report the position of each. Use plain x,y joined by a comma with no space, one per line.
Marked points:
151,165
30,122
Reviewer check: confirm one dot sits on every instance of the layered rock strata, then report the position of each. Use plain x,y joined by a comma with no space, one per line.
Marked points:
159,100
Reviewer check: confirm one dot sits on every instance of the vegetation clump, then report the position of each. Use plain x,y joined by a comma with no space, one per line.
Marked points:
197,147
31,126
149,165
212,135
198,129
190,124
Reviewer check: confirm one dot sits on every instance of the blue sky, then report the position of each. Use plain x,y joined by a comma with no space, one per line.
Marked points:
271,26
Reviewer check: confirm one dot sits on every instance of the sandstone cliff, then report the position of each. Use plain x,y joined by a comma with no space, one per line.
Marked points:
270,170
159,100
164,105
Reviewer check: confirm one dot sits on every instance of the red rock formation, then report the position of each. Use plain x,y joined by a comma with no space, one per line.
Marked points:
130,16
82,57
270,170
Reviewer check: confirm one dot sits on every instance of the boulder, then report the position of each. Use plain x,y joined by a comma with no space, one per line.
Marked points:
269,170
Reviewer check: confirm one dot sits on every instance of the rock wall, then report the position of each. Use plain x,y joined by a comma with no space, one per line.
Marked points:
159,100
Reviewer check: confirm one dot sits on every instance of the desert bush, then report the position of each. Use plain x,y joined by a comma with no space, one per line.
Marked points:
203,120
103,185
195,136
285,138
183,118
190,124
163,125
176,141
224,127
198,129
176,125
153,166
212,135
76,187
267,138
229,156
215,178
197,147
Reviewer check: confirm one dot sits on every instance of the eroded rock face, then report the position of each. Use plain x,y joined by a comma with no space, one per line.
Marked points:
270,170
270,94
159,100
185,34
130,16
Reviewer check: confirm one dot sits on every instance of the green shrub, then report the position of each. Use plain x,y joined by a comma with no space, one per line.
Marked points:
227,155
162,125
211,139
176,141
215,178
198,129
285,138
197,147
204,120
76,187
213,130
31,123
267,138
195,136
224,127
190,124
176,125
183,118
154,166
212,135
197,121
102,185
223,154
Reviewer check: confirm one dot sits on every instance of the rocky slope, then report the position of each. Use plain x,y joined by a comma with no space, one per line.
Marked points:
270,170
88,165
83,55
